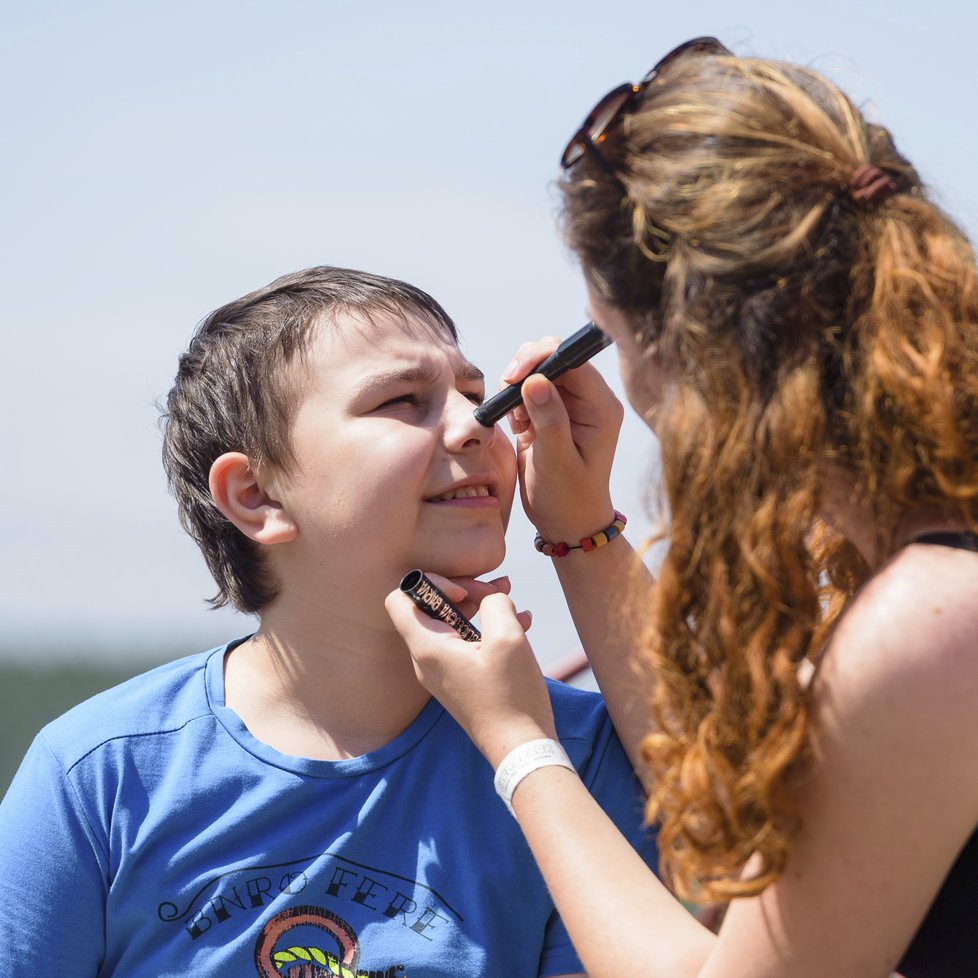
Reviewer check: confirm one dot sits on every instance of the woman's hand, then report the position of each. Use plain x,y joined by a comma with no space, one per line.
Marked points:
566,434
466,593
494,687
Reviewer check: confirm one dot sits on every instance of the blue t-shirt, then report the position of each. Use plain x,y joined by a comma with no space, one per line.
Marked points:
147,834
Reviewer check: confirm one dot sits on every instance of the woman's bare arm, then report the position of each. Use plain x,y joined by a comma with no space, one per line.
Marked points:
566,436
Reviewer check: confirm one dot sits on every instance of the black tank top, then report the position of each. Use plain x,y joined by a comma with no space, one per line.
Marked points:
946,943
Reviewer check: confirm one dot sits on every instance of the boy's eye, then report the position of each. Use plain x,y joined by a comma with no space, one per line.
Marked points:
410,399
476,397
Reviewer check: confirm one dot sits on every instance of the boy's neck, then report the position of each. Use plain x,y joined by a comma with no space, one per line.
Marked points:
324,691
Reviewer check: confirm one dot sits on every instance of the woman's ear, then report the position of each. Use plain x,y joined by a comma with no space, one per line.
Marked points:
239,495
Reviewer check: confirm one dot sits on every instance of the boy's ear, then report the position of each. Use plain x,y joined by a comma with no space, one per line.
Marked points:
239,495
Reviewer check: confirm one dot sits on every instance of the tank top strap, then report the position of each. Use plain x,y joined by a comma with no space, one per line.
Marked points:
960,539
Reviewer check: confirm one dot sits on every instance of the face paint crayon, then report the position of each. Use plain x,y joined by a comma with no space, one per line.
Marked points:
574,351
419,588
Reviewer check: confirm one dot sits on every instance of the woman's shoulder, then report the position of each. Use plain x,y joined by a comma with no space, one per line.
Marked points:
905,652
891,792
919,609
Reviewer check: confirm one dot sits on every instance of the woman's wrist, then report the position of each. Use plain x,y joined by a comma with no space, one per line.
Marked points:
573,526
497,746
593,540
522,761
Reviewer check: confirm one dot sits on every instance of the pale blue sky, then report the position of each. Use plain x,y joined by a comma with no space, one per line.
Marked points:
162,158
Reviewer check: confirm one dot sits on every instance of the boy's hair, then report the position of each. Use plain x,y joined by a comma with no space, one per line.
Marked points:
237,389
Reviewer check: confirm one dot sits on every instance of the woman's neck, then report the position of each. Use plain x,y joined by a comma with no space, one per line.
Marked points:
848,514
851,515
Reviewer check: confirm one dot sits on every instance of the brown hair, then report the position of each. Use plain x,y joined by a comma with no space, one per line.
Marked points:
236,389
798,329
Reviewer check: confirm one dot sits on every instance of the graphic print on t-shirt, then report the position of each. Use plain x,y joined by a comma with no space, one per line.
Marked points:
313,961
314,937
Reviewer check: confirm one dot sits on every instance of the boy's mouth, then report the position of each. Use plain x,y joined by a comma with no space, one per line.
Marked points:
462,492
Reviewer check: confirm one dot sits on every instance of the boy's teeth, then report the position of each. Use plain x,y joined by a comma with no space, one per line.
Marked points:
464,493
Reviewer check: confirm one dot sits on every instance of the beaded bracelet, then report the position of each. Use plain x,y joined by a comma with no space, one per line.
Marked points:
587,544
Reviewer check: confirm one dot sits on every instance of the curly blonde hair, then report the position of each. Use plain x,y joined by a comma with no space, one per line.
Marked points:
799,330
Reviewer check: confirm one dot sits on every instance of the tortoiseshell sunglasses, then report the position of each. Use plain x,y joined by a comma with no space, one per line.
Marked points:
620,100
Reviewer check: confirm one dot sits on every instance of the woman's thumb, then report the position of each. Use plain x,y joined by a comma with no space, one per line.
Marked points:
545,409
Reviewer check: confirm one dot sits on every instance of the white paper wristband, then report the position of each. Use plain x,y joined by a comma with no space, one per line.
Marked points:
525,759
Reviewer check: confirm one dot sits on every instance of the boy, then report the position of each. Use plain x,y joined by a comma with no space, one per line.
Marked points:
293,803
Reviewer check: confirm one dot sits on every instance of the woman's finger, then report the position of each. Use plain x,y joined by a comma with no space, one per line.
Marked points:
528,357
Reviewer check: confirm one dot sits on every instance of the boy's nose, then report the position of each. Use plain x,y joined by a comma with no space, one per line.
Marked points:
462,430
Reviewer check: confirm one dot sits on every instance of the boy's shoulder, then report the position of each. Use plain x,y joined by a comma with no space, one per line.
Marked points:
579,714
573,701
585,730
161,699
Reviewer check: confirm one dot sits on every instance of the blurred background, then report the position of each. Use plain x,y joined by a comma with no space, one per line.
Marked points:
163,158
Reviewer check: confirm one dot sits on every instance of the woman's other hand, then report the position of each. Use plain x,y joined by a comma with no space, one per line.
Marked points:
566,434
494,687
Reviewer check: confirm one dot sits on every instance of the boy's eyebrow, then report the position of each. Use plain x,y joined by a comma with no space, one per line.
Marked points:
469,371
419,374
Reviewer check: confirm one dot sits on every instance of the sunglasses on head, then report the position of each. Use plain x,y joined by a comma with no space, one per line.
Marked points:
618,101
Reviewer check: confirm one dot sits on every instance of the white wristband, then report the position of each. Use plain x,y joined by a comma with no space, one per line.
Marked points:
525,759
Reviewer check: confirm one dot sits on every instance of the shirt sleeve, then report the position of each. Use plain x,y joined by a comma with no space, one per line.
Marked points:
53,873
608,775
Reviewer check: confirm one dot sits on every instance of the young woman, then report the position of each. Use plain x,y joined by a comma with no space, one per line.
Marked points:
798,323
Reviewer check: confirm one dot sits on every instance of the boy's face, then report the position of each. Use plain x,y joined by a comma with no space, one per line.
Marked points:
392,470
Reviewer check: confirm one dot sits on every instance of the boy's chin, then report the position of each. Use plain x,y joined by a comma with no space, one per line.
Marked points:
471,564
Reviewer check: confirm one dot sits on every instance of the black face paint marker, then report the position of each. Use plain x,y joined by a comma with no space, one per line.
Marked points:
574,351
419,588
